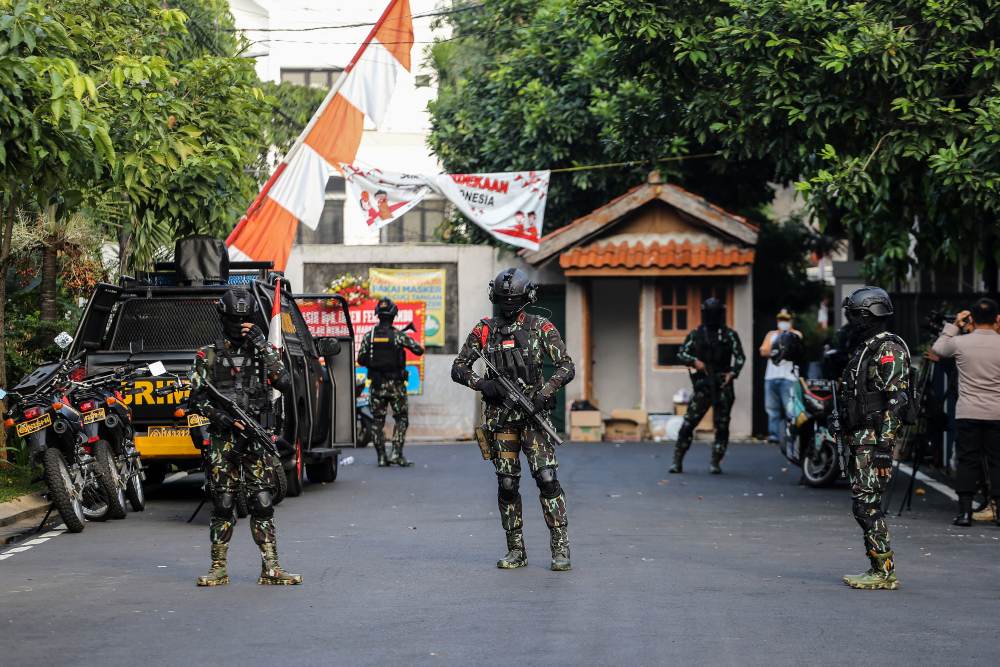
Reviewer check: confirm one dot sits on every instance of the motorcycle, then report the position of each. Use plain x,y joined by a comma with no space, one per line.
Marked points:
364,419
39,410
108,424
809,442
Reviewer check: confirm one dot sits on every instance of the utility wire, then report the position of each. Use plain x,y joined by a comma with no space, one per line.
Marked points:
630,163
367,24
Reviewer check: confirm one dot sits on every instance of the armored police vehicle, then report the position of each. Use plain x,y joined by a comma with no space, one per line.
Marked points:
168,314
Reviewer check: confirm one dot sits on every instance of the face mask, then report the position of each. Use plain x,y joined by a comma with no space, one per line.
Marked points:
784,325
233,328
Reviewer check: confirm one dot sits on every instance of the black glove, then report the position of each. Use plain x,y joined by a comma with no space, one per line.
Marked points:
882,458
492,391
543,403
257,338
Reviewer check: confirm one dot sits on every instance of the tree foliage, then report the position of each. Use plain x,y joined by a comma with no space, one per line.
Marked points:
886,112
523,85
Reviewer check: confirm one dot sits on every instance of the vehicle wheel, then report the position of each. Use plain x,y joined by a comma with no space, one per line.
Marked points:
821,469
134,490
62,492
110,480
323,472
156,473
294,476
279,482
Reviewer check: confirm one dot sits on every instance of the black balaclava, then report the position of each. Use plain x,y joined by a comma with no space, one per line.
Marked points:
867,311
236,307
713,313
385,311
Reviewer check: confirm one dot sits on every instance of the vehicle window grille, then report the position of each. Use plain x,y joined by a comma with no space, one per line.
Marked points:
167,324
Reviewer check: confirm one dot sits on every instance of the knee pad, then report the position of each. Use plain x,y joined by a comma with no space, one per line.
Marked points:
261,506
548,485
507,489
224,505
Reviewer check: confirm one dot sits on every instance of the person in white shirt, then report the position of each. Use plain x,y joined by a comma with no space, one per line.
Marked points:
779,380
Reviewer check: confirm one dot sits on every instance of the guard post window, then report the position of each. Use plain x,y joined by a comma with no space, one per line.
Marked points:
678,310
418,224
314,78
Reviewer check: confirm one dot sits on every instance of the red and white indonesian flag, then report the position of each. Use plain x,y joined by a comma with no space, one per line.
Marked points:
508,205
295,192
274,328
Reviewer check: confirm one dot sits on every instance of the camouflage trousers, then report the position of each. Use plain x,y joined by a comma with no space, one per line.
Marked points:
722,407
866,491
385,395
507,445
233,472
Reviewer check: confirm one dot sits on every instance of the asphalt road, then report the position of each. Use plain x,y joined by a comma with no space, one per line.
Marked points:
738,569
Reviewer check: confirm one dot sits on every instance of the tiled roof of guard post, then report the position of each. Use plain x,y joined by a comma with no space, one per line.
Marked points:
668,255
728,226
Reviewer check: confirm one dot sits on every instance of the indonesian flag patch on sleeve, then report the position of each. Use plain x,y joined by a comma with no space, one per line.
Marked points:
508,344
887,358
547,327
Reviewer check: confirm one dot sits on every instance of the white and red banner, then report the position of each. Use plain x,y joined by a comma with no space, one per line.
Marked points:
296,190
510,206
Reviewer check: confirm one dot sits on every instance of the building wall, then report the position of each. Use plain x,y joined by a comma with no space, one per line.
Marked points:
445,410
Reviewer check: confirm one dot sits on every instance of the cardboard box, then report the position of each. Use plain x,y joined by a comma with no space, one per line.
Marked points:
623,430
638,416
586,433
588,418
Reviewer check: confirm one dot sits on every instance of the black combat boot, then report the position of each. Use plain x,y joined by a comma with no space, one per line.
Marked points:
964,516
714,467
678,466
383,462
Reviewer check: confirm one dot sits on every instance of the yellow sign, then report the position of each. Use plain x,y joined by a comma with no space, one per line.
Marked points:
27,428
195,420
424,285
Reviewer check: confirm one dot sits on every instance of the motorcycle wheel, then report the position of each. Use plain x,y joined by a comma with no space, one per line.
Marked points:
110,480
62,491
134,490
821,468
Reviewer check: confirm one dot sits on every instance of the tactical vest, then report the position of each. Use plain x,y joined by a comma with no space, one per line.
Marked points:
714,349
509,350
863,408
240,376
388,357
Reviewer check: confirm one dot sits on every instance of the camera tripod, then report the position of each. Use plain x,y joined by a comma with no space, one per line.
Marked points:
917,433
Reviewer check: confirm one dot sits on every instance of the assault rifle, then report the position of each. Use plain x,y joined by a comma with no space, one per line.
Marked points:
516,400
252,431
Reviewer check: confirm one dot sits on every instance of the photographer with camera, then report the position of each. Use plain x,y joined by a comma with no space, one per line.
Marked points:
977,414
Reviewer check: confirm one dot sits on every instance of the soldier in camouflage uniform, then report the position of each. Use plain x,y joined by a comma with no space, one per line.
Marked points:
874,402
516,342
715,352
245,367
383,354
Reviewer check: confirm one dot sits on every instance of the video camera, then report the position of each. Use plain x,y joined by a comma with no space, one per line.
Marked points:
937,319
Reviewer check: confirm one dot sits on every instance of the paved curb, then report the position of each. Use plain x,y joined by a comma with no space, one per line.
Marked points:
25,507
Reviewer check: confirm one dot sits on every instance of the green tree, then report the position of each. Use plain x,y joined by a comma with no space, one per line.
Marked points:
187,118
52,138
523,84
886,112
